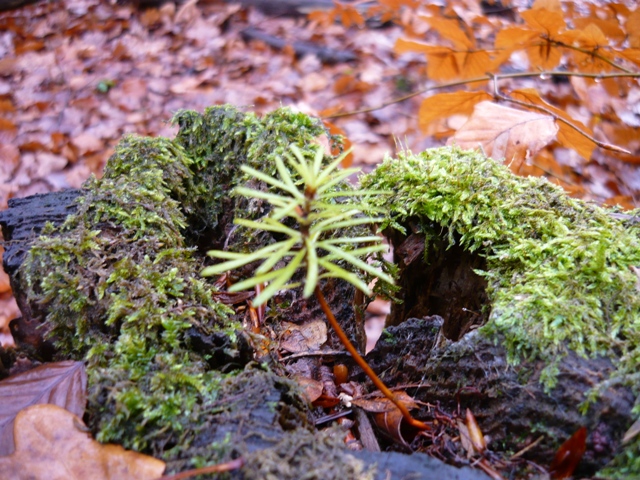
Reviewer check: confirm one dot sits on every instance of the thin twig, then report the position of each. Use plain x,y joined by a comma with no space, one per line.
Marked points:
318,353
527,448
591,53
364,365
486,78
219,468
606,146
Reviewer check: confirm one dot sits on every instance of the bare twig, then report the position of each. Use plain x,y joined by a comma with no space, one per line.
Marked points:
558,118
485,78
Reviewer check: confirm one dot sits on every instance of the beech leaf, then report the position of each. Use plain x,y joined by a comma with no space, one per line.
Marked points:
506,133
54,444
305,337
567,136
63,384
444,105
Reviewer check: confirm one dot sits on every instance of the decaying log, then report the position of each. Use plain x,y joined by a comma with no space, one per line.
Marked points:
11,4
21,223
258,432
286,7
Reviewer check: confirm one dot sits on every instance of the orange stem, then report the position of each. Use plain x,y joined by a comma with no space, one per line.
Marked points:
221,467
364,365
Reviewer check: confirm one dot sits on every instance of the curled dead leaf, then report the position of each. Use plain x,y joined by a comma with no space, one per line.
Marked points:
475,434
386,415
569,455
312,388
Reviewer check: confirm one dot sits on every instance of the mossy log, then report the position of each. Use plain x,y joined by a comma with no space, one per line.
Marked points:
111,275
549,282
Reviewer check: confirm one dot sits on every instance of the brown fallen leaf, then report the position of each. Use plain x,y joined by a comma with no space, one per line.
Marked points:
304,337
506,133
311,388
54,444
63,384
383,404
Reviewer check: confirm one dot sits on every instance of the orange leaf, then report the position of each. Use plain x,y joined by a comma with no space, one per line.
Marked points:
506,133
53,444
444,63
551,5
567,136
446,104
346,143
514,37
450,30
544,21
633,28
568,455
610,28
631,54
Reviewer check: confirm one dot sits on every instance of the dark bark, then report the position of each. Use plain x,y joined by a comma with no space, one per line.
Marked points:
286,7
21,224
509,402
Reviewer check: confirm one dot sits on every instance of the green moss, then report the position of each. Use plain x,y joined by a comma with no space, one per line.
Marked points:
120,284
625,465
558,269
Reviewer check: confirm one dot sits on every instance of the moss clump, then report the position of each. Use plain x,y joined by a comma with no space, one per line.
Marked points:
119,283
559,270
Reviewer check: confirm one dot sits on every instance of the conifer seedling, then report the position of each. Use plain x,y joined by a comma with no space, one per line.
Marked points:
310,194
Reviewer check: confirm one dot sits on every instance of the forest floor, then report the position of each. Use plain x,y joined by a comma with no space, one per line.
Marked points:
77,75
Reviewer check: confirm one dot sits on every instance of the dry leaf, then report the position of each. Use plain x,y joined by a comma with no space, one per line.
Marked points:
54,444
383,404
303,337
506,133
465,439
445,63
386,415
567,136
312,389
634,430
475,433
63,384
444,105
